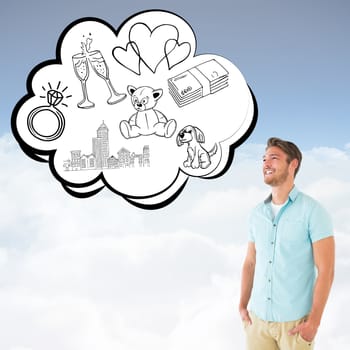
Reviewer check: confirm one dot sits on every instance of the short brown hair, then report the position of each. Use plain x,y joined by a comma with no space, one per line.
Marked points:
289,148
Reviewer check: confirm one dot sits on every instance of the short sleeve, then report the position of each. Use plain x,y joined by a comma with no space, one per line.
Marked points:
320,224
251,237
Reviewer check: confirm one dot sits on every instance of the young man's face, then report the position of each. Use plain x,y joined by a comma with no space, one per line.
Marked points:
276,169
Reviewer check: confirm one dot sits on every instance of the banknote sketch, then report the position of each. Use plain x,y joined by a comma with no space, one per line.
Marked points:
52,122
96,60
147,120
197,155
204,79
100,157
152,47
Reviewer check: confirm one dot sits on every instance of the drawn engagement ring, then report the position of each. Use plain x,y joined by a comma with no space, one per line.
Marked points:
50,122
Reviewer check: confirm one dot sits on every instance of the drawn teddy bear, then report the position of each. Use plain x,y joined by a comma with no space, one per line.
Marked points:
147,120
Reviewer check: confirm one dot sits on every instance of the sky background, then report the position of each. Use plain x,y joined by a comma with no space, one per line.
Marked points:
99,273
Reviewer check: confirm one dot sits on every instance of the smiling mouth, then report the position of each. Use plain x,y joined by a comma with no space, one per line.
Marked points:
268,172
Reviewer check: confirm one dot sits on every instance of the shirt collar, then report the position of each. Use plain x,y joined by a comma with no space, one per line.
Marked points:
292,195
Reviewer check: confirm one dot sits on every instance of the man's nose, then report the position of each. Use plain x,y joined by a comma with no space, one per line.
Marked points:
266,164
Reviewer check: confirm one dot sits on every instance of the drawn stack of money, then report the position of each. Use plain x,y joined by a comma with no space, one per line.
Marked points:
197,82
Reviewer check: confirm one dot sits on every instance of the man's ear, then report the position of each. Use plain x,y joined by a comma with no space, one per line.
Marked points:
294,164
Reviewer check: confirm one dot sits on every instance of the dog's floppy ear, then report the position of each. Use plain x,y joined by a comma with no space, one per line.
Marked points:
157,94
131,89
178,138
199,135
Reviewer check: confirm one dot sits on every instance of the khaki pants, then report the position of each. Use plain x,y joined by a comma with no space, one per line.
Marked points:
264,335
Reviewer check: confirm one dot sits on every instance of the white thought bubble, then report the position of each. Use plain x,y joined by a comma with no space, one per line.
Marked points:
134,109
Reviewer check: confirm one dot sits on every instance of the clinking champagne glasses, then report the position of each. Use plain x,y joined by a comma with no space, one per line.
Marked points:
81,67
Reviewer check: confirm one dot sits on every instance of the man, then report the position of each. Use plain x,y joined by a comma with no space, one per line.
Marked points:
290,235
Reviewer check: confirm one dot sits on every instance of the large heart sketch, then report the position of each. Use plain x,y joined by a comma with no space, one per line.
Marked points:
151,47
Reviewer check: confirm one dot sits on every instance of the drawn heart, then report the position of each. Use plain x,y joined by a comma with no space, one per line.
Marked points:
129,57
151,43
176,53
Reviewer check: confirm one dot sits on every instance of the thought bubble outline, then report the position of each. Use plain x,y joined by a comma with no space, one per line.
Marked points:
95,185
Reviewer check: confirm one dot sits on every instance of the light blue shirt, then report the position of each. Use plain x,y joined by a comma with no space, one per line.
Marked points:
285,272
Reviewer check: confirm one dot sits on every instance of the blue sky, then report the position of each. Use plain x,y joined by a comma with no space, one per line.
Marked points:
294,55
102,274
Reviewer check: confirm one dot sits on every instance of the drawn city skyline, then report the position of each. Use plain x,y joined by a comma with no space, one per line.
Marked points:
100,158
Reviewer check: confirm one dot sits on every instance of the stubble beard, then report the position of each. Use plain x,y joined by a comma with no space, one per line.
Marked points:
277,180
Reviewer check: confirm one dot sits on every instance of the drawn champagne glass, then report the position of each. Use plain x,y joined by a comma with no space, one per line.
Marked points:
100,67
81,69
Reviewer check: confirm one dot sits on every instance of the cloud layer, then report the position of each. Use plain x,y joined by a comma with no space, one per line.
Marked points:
101,274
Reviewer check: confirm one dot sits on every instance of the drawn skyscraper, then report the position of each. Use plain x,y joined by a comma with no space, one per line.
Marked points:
146,156
100,146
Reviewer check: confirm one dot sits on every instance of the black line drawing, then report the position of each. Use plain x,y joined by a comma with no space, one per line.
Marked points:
197,155
176,52
128,57
100,158
54,98
151,47
206,78
147,50
147,120
81,68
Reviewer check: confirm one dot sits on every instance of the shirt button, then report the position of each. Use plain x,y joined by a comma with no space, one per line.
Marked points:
270,262
272,242
268,298
269,280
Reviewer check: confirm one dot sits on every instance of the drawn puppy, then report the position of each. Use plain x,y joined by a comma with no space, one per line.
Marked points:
198,156
147,120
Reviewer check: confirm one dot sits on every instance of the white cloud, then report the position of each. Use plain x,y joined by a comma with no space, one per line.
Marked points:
324,162
333,330
45,210
97,273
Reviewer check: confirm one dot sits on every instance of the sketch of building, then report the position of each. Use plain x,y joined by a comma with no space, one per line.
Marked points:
146,156
76,163
88,161
124,157
100,146
112,162
100,159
